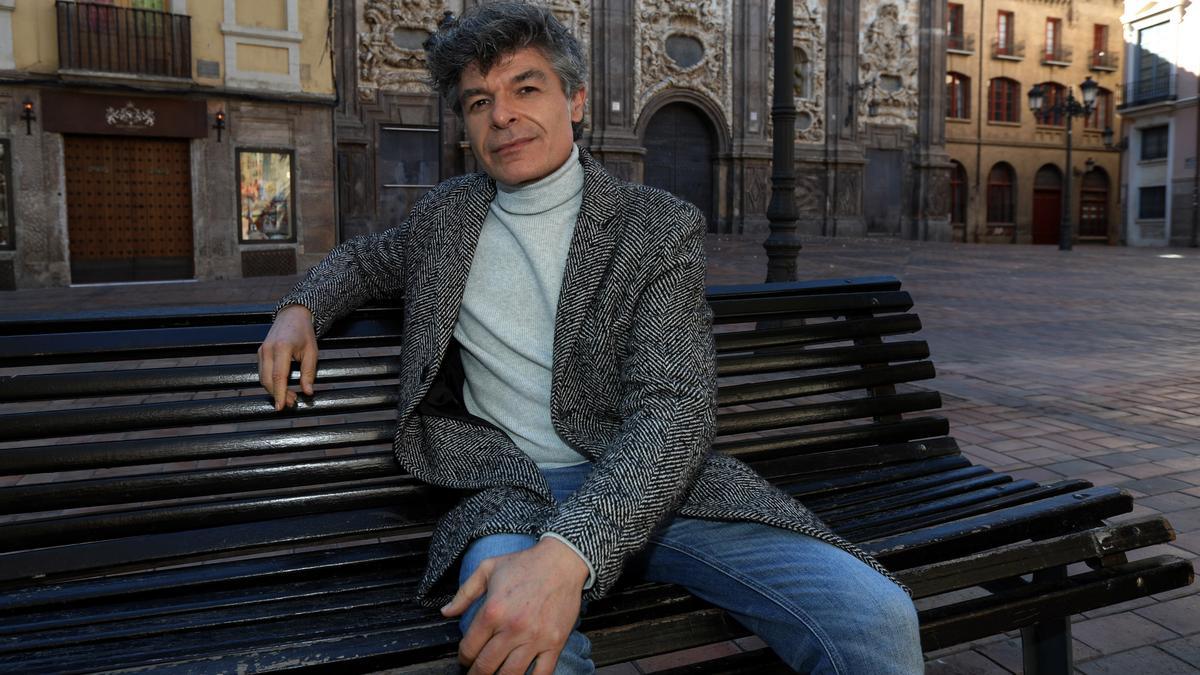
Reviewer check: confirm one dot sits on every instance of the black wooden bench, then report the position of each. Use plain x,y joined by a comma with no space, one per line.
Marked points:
157,513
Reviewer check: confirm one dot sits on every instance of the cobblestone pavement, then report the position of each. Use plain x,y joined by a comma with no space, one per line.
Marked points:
1082,364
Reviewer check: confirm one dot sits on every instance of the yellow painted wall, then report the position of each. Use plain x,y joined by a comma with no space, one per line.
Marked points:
979,144
271,14
35,37
314,52
262,59
207,41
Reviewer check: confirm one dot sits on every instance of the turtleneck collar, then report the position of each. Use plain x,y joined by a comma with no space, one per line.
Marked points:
546,193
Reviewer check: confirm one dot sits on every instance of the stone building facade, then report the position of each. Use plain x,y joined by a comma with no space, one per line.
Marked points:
153,140
1161,130
679,97
1008,176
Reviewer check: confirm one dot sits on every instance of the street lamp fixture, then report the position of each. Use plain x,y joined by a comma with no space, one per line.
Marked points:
1067,110
28,116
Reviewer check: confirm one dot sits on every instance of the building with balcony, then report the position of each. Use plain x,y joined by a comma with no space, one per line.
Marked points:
151,140
1160,119
1008,177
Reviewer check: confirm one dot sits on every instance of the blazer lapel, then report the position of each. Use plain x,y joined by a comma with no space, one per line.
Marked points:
451,248
587,258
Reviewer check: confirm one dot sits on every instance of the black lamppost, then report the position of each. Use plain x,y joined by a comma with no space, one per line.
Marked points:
783,245
1068,109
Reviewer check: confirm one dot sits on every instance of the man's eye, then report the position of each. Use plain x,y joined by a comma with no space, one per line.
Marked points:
527,90
477,103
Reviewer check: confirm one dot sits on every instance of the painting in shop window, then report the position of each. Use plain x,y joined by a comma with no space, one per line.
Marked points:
265,204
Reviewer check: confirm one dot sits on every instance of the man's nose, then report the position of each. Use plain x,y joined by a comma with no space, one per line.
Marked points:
503,114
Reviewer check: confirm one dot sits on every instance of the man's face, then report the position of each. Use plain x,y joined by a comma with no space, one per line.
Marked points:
518,119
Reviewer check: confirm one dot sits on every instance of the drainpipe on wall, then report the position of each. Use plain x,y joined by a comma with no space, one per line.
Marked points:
1196,175
980,111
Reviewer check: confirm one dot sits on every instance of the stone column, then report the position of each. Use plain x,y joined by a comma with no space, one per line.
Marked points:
749,187
931,163
610,133
844,157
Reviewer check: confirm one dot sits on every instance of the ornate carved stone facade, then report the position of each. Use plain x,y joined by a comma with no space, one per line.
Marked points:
684,44
390,56
889,91
863,83
809,55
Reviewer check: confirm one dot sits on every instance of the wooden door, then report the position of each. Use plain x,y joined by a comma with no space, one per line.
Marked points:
1093,205
1047,205
129,208
679,156
884,200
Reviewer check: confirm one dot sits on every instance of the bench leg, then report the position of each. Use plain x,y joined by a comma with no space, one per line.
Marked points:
1046,646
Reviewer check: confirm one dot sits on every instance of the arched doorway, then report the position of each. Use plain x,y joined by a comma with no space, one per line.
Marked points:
958,200
680,150
1093,205
1047,204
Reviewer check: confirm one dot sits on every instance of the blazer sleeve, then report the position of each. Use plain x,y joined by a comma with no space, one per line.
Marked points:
668,410
362,270
359,271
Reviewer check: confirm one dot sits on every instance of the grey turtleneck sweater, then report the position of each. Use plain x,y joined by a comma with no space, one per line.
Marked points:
506,323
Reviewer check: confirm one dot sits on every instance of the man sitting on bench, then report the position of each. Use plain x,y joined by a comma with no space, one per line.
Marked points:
557,362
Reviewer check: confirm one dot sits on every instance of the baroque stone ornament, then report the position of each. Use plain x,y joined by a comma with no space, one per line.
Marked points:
888,84
129,116
698,57
808,43
391,57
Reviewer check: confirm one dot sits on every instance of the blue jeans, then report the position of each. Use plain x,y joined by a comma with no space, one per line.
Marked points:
824,611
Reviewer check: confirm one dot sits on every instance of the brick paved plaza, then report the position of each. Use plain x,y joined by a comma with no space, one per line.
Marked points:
1083,364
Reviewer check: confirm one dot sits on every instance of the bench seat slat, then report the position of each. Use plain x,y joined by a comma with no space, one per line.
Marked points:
816,385
820,413
824,357
914,499
883,490
854,458
169,342
255,572
741,310
1000,501
134,553
1046,517
132,452
70,529
1016,559
933,470
303,620
984,489
182,484
109,419
186,379
850,436
816,333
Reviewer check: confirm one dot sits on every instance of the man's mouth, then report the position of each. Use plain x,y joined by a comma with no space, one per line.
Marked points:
511,146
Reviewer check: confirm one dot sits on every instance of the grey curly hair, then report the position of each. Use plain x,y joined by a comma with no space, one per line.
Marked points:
488,32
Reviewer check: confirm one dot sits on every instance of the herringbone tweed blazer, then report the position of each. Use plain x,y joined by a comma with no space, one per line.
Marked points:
633,379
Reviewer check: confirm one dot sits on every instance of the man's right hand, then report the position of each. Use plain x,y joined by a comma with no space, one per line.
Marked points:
291,338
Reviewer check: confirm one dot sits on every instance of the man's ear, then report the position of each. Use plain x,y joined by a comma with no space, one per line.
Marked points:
577,104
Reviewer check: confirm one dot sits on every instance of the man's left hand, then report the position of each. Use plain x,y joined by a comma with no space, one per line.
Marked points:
533,600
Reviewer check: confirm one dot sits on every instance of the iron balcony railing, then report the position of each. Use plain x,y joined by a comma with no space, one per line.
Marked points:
110,39
1054,54
1104,60
961,42
1144,91
1012,49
